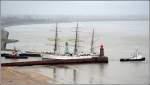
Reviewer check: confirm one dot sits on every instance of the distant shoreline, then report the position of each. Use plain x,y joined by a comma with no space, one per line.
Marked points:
25,20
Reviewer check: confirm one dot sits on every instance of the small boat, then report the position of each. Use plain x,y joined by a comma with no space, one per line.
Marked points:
14,55
136,57
30,54
5,54
23,54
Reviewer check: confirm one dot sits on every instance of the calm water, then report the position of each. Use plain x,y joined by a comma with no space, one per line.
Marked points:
120,38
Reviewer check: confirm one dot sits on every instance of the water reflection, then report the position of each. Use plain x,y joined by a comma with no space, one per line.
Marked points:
64,75
54,73
113,72
74,76
82,74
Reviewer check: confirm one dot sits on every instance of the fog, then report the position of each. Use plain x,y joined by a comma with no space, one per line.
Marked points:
75,8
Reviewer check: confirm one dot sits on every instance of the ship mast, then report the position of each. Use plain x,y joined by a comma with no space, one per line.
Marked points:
92,42
76,41
56,39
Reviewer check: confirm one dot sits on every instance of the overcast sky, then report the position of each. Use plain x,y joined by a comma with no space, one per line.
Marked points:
104,8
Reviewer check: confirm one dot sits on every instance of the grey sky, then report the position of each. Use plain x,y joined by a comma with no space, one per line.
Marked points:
111,8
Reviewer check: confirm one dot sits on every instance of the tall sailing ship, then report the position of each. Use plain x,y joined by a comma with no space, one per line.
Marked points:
76,44
76,53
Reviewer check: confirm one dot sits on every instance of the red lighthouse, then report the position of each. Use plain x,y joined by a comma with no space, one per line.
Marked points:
101,51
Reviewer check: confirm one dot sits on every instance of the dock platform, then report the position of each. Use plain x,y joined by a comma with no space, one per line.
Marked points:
58,61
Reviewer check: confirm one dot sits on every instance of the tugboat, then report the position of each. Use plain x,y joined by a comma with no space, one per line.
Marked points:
136,57
15,55
23,54
20,54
